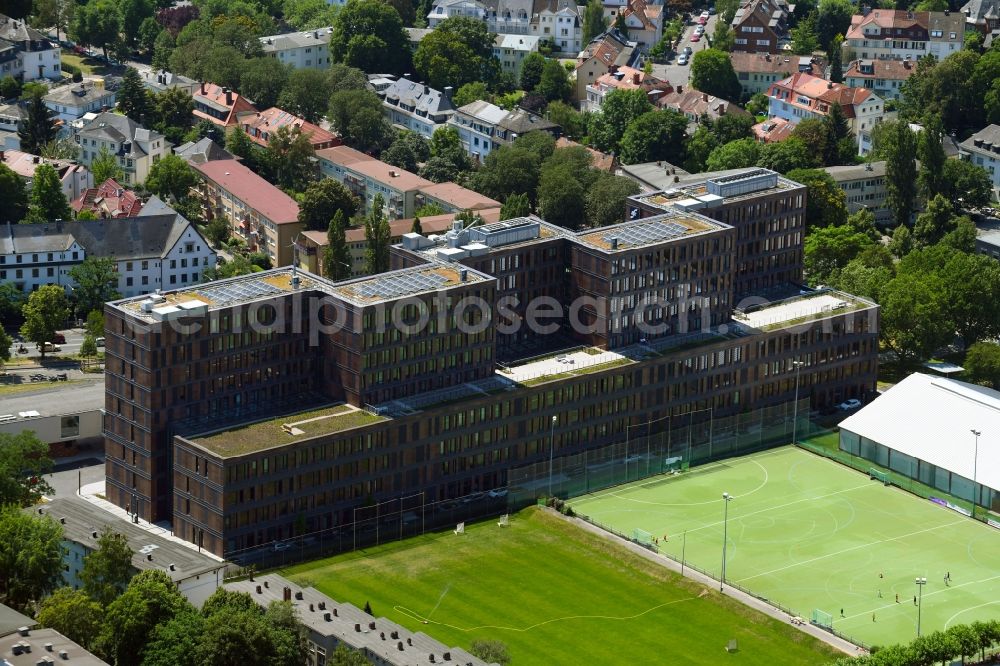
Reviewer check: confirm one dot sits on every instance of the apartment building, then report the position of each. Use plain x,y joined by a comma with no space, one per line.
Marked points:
74,101
761,26
410,356
644,22
453,198
27,54
510,51
884,77
75,179
757,71
898,34
135,148
625,78
257,212
298,50
766,210
983,149
557,21
483,126
261,126
162,251
806,96
367,177
604,53
864,186
417,107
220,106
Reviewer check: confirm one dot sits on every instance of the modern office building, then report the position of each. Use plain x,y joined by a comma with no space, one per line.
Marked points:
403,378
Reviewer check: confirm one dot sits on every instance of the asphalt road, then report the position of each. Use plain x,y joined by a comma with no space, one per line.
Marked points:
680,74
71,474
74,339
56,397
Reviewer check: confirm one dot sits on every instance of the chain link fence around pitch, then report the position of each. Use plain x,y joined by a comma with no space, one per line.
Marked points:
655,447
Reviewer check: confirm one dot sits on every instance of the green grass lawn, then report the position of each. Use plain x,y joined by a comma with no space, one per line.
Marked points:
554,594
87,65
810,533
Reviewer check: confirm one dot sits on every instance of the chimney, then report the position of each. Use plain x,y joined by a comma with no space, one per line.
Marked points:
463,275
614,242
829,85
635,78
448,90
680,89
704,97
906,64
202,87
427,90
316,34
286,594
229,96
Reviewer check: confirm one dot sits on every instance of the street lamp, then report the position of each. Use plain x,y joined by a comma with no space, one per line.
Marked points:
726,498
975,462
920,599
552,449
795,407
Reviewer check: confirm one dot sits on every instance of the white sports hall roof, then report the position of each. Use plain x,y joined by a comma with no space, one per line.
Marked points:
930,418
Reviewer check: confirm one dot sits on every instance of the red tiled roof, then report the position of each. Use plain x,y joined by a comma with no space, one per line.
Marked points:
818,90
259,126
459,197
696,103
109,200
629,78
401,179
773,130
894,70
251,189
215,96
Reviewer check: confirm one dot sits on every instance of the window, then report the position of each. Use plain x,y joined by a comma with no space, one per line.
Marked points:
173,279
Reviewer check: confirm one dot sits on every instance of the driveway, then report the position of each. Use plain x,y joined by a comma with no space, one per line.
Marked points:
680,74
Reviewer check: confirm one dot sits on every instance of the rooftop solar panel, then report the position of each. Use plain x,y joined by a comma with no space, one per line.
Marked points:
648,233
243,290
400,285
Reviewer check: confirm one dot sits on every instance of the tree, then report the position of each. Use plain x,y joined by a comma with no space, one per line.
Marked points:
105,166
345,656
971,282
834,55
448,157
506,171
840,146
12,299
829,249
163,47
416,227
594,22
13,194
814,132
516,205
171,178
47,202
39,127
712,73
322,200
966,182
290,158
573,123
407,150
173,109
95,282
24,459
734,155
655,135
962,237
543,146
31,555
88,348
177,641
804,39
96,23
826,203
5,344
554,84
833,17
619,109
9,87
132,14
238,265
44,313
263,79
151,599
606,199
378,235
902,241
469,93
531,70
491,651
149,31
73,614
357,115
336,255
369,35
133,100
784,156
239,144
217,231
561,197
306,93
912,324
458,51
982,364
937,219
107,570
930,152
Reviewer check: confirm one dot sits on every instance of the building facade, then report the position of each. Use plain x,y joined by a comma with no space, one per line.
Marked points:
757,71
73,101
261,126
625,78
482,127
219,105
255,210
367,177
160,81
603,54
135,148
864,187
27,54
897,34
983,149
760,26
510,51
884,77
75,179
298,50
416,107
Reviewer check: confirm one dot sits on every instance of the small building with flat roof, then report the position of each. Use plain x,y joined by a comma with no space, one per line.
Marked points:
27,646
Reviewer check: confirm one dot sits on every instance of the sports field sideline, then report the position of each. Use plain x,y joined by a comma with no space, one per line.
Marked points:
807,533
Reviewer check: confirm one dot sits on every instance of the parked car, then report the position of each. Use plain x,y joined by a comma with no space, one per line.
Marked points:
49,347
59,339
498,492
688,51
700,30
281,545
696,37
848,405
683,59
99,342
703,19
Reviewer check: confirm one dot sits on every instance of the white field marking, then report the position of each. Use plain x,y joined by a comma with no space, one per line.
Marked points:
713,501
426,620
847,550
988,603
941,591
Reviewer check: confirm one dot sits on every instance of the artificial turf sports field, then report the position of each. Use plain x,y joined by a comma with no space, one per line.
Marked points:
554,594
809,533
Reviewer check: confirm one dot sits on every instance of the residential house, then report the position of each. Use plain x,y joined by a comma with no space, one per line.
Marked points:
256,211
160,81
519,122
884,77
150,252
11,116
510,51
298,50
773,130
416,35
445,9
482,127
761,26
417,107
261,126
367,177
558,21
311,244
109,200
74,178
624,78
644,22
72,101
136,148
806,96
220,105
695,104
898,34
864,186
604,53
982,15
983,149
757,71
30,54
453,198
201,151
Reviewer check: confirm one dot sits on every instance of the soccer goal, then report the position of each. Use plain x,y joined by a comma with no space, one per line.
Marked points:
460,528
642,537
881,476
822,619
504,520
